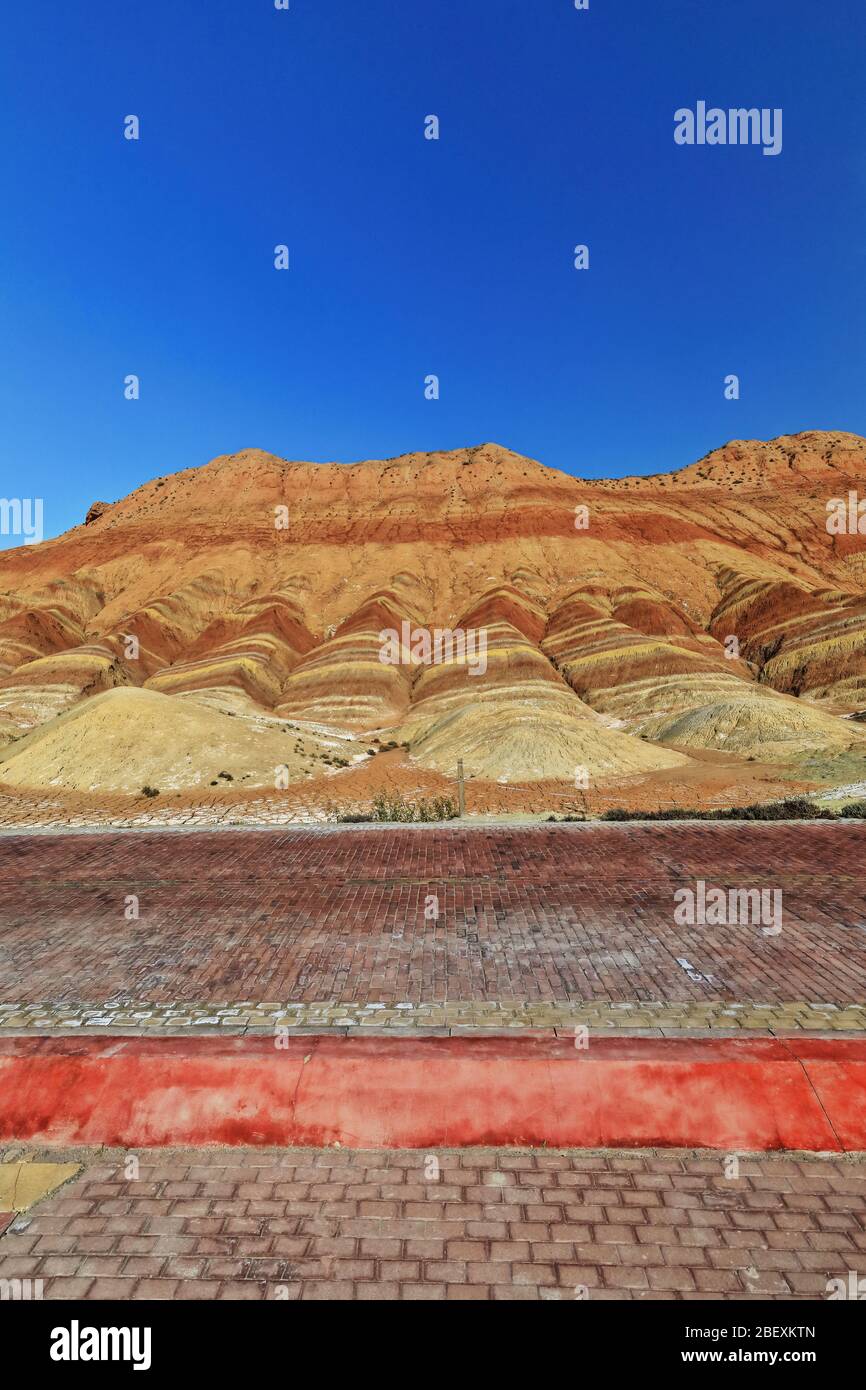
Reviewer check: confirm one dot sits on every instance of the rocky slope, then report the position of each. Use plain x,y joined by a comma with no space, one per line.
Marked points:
627,626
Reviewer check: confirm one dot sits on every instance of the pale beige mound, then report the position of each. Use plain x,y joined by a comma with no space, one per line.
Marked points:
775,726
661,697
9,731
23,708
505,741
129,738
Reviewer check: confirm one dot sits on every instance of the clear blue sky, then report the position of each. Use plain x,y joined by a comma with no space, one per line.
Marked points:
410,256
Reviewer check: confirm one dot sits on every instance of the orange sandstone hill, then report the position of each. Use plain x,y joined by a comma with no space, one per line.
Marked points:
228,620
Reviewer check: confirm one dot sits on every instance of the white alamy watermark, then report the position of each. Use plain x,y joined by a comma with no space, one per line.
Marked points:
77,1343
21,1290
846,516
22,516
421,646
854,1289
719,907
736,126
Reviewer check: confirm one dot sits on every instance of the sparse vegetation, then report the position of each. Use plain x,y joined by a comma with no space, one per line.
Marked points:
390,808
150,791
792,808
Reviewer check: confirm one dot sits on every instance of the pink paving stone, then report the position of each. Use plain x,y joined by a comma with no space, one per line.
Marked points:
396,1262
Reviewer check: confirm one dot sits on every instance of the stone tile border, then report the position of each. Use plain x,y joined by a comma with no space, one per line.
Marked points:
251,1017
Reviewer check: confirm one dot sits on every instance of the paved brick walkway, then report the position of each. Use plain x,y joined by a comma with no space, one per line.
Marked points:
529,915
491,1224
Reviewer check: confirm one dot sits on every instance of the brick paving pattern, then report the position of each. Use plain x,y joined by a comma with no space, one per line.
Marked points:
250,1018
495,1224
531,915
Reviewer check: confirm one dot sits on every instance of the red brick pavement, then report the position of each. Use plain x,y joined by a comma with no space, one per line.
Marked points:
491,1224
551,912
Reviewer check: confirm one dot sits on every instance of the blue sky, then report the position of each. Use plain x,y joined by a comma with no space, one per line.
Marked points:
410,256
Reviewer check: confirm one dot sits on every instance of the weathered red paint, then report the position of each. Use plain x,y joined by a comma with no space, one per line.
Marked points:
401,1092
837,1070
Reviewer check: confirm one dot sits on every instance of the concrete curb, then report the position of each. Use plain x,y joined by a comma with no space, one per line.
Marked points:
365,1092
